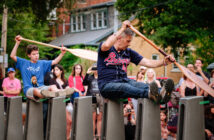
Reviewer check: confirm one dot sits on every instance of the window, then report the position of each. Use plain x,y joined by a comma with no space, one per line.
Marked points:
177,60
174,67
78,23
155,56
99,20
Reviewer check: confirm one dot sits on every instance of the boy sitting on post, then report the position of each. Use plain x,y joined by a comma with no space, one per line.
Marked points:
34,70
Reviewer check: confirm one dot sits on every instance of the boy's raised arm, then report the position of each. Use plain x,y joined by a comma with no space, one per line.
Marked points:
56,60
13,53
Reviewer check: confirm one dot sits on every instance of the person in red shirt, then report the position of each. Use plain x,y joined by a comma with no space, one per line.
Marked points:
76,80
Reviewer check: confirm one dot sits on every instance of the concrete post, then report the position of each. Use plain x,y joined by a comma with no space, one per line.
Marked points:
2,122
113,121
56,126
14,128
148,121
34,121
191,119
82,122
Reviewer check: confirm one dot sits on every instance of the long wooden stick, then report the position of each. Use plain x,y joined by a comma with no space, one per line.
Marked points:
40,43
193,77
87,54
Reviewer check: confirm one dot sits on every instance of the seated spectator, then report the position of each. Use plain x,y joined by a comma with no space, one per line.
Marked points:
11,85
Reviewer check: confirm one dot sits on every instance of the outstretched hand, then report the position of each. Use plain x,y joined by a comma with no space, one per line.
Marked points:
18,39
169,59
63,49
126,24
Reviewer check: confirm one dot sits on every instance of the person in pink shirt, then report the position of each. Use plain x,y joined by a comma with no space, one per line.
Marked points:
76,80
11,85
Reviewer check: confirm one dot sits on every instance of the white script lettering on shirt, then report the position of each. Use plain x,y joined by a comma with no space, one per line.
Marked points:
33,69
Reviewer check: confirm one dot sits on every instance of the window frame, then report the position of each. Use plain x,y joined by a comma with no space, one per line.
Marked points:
174,67
80,23
155,54
94,24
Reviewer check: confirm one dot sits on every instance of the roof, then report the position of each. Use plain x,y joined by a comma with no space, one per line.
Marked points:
104,4
86,38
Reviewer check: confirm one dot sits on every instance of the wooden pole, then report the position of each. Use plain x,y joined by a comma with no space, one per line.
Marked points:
4,38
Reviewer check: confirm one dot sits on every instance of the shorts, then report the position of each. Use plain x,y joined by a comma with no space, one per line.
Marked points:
98,106
29,93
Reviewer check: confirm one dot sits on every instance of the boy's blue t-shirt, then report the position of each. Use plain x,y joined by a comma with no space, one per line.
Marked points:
112,65
30,71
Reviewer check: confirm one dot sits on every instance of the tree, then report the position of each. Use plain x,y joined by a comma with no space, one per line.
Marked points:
40,8
172,23
24,24
205,49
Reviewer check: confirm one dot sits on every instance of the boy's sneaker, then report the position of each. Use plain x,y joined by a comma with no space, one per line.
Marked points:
153,93
166,90
69,91
52,94
48,94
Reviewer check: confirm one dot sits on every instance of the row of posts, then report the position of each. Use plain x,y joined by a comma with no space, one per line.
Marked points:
190,120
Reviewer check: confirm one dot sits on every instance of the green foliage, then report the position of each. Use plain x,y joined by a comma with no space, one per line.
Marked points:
172,23
24,24
205,49
40,8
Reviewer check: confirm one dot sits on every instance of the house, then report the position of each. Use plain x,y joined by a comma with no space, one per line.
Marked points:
92,21
147,51
89,23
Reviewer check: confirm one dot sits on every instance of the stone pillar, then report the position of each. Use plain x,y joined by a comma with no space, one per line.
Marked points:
191,119
82,121
113,121
2,119
56,126
148,121
34,121
14,126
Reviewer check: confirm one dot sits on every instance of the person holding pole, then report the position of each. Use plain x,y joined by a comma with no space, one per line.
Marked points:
114,57
34,70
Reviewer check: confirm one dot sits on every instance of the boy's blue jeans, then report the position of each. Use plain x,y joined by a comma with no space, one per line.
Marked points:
125,88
